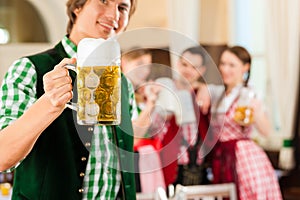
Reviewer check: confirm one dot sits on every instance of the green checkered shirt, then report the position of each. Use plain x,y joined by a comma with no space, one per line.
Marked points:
18,93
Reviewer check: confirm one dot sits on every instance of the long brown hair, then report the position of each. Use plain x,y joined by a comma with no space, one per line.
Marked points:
73,4
244,56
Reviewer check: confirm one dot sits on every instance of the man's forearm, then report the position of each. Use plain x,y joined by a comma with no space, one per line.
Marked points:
17,140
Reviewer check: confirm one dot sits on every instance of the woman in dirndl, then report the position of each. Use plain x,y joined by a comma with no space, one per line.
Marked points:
236,157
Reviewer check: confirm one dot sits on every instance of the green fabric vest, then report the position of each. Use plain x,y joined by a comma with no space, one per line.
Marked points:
52,169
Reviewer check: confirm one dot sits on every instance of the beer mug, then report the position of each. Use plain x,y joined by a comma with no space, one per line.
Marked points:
244,113
98,82
5,189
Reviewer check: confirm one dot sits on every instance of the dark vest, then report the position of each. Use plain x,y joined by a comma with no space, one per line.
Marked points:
53,169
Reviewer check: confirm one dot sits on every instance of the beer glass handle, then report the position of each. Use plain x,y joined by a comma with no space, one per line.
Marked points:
71,67
71,105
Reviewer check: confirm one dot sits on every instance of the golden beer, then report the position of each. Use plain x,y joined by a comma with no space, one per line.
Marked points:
243,115
5,189
99,95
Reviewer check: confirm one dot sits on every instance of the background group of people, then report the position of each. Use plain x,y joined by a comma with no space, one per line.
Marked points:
186,150
39,139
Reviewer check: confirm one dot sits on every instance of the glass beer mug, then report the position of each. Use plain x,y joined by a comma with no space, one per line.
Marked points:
98,82
244,113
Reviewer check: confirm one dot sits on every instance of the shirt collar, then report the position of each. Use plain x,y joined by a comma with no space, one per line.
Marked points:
228,100
69,47
236,90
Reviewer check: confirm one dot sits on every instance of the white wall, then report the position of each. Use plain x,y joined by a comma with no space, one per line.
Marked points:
9,53
53,13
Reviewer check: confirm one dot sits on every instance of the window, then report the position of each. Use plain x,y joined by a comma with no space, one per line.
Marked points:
20,23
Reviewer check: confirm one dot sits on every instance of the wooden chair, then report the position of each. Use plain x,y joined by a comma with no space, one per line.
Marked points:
145,196
206,192
159,194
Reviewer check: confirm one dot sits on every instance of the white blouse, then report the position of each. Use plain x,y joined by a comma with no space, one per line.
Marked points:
216,91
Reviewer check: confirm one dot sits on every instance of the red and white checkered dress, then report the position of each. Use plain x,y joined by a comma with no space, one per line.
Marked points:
253,173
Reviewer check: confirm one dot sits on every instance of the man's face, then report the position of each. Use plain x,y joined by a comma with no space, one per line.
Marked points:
190,67
100,19
138,69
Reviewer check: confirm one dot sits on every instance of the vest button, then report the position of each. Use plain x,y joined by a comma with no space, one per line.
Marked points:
81,190
90,129
81,174
87,144
83,158
128,186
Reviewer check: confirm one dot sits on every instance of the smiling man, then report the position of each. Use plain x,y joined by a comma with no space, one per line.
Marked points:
39,137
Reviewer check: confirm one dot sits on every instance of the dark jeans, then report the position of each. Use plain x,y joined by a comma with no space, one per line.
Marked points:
137,169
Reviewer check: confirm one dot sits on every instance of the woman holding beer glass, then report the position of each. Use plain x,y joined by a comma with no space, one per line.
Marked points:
236,158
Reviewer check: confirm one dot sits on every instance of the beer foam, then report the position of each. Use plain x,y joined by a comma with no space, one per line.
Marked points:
98,52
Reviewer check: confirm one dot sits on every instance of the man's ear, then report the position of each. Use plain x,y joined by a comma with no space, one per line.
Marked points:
77,11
